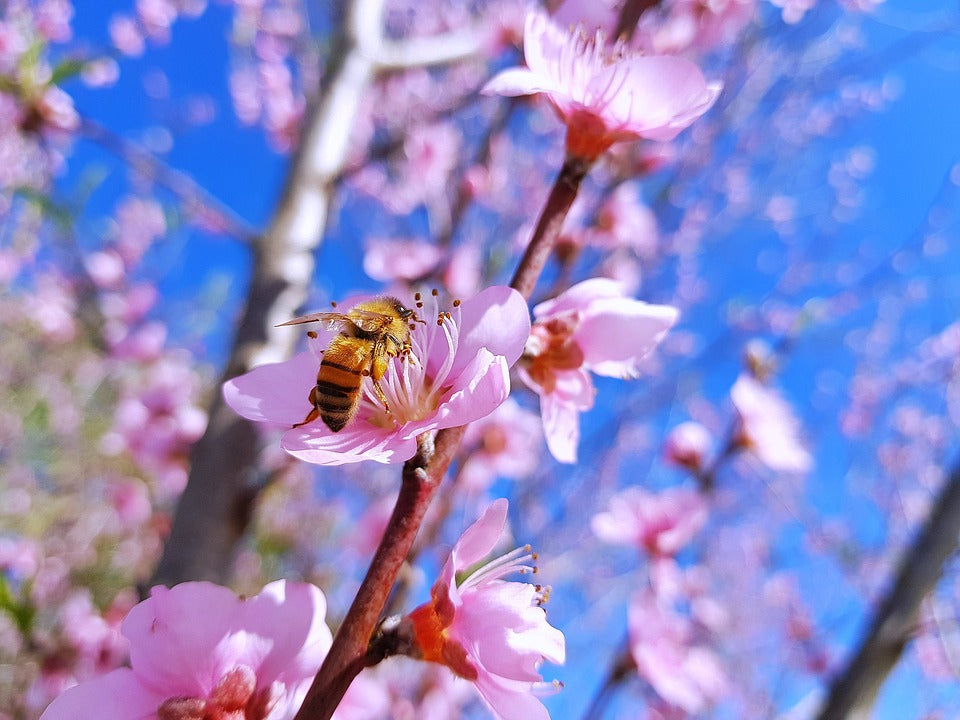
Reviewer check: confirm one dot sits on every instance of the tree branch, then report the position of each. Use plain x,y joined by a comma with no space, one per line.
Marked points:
854,690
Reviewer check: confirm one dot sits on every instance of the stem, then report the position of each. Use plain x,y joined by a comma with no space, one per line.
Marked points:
622,666
545,235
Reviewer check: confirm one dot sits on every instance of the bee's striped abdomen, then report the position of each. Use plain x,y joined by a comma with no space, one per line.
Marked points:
338,383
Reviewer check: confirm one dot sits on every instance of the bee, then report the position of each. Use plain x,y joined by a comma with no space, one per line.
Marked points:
370,333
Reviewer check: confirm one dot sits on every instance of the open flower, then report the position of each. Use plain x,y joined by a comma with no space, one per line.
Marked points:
605,94
490,631
457,372
199,651
767,427
590,327
659,523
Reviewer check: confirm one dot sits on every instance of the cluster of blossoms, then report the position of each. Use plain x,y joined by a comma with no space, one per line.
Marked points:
36,115
668,646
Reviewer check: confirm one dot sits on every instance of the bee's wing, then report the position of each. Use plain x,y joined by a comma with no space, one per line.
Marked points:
332,319
368,320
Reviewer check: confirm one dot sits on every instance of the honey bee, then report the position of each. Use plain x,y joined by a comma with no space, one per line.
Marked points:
370,333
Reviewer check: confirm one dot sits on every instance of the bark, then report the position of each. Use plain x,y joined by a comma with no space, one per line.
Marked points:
854,691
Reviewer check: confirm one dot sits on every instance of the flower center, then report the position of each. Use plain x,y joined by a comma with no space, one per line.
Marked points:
551,348
417,383
234,698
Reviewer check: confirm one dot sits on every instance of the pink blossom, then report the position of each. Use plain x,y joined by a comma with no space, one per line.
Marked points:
197,650
683,673
590,327
767,427
157,16
101,72
490,631
53,19
661,524
688,445
126,35
605,95
140,221
457,372
624,221
506,443
388,259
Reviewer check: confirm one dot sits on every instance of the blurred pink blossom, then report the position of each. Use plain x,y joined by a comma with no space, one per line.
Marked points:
696,24
126,35
792,11
53,19
688,445
683,673
389,259
101,72
659,523
590,327
605,95
767,427
197,650
458,372
464,626
506,443
140,221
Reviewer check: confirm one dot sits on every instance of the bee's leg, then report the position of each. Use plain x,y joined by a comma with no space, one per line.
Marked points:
378,368
314,412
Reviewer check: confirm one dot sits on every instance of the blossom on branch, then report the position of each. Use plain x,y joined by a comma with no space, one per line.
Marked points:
605,94
488,630
661,523
199,651
590,327
457,372
767,427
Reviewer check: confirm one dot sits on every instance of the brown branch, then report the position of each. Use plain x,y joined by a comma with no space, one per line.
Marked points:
548,227
854,690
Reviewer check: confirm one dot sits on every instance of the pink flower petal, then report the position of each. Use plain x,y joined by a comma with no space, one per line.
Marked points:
479,539
519,81
510,699
292,615
172,633
118,695
358,441
276,393
496,319
660,96
618,333
580,296
561,427
488,386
